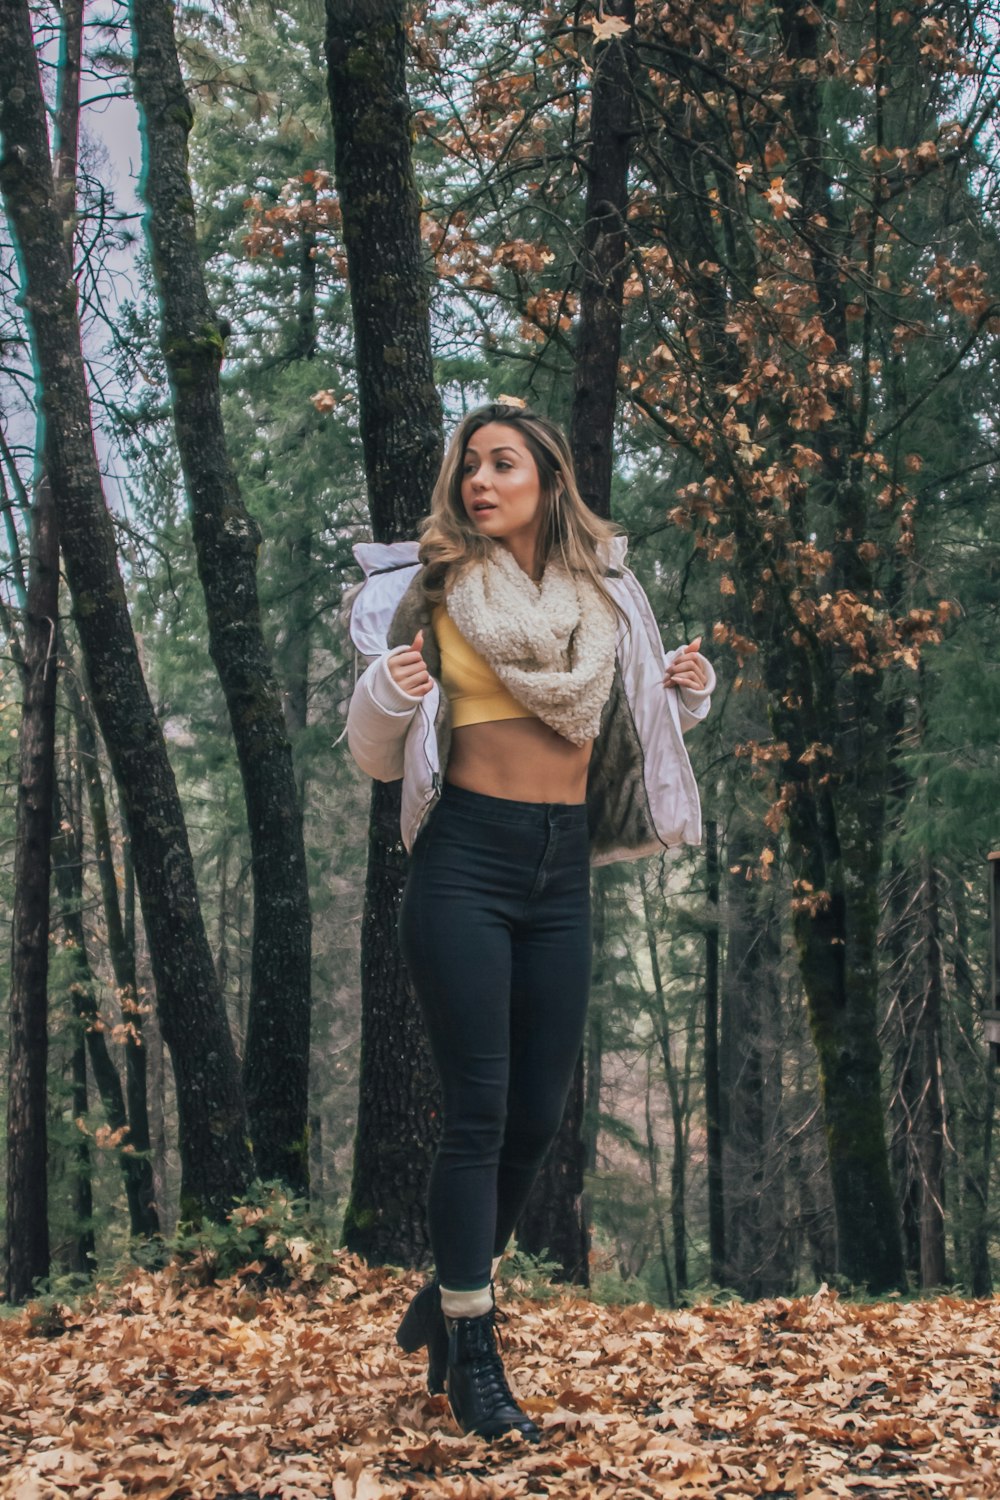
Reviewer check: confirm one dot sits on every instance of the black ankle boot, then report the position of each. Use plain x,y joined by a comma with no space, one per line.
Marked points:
477,1387
423,1323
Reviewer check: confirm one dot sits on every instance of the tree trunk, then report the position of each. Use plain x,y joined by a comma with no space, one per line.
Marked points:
755,1241
842,999
825,689
837,831
604,258
70,832
652,1160
933,1261
67,860
27,1191
978,1100
553,1223
227,540
158,1144
317,1179
401,433
554,1214
678,1091
121,949
713,1091
296,650
397,1129
217,1165
84,1245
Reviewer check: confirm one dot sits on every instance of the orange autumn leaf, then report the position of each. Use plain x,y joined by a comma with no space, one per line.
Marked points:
161,1388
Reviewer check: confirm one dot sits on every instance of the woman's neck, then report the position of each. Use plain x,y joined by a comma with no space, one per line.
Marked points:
525,554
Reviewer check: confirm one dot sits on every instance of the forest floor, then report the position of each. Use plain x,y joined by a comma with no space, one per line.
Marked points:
157,1388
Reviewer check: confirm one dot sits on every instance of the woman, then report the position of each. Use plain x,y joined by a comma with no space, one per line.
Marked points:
518,690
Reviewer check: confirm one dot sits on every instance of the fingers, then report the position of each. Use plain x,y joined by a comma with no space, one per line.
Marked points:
416,681
408,669
687,669
696,680
413,684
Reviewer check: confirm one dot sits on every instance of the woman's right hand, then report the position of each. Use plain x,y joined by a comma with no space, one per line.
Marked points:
408,671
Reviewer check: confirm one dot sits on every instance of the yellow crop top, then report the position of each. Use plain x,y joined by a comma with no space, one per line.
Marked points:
475,692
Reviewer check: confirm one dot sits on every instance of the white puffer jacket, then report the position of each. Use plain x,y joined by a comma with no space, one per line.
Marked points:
641,792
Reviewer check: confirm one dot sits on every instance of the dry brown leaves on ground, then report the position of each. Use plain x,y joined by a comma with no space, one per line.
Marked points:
161,1390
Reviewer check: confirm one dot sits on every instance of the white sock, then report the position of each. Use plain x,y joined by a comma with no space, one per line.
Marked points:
466,1304
493,1269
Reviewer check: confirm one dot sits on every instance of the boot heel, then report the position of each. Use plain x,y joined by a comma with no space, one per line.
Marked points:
423,1324
418,1322
437,1359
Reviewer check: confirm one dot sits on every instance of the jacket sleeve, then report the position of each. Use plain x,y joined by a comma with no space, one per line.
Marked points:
377,720
694,704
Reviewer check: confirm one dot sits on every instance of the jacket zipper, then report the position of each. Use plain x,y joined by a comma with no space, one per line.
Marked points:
435,775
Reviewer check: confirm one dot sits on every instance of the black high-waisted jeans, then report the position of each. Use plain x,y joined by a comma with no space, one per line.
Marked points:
495,929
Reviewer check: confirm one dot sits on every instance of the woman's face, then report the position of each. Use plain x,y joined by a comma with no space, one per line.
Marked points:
501,490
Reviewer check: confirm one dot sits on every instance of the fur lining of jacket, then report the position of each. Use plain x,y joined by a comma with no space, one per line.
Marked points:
641,792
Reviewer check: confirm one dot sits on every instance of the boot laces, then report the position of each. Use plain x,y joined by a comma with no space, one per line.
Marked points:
491,1379
490,1375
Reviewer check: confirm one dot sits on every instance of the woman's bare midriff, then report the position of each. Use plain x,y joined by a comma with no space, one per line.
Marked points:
520,759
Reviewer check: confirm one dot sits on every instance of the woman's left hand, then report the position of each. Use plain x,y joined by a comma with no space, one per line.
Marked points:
687,670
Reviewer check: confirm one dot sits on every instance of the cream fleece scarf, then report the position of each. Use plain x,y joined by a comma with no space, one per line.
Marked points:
552,644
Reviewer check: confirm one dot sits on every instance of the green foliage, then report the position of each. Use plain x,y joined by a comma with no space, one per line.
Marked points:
529,1275
56,1298
269,1238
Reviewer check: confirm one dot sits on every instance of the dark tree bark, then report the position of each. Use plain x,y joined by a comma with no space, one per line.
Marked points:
67,860
976,1111
295,649
836,821
67,864
121,949
835,802
553,1223
917,1103
216,1161
652,1159
554,1215
306,342
401,434
593,1045
604,259
931,1135
67,132
678,1081
713,1099
227,540
84,1244
757,1261
27,1192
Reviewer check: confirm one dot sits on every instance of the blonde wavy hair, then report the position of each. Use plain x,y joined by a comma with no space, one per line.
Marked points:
450,540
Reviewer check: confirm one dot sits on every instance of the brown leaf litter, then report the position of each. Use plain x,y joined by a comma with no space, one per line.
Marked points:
161,1390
